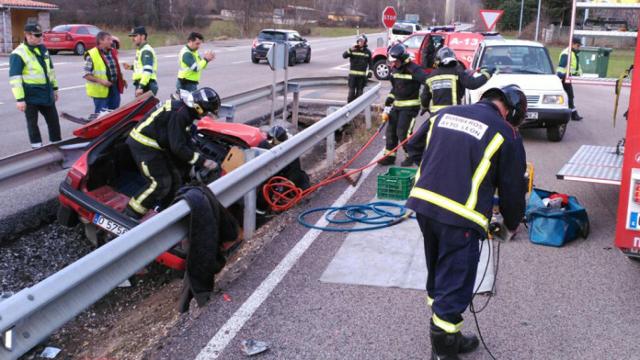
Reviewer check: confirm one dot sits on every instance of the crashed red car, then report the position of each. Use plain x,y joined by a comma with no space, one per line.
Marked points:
99,184
423,46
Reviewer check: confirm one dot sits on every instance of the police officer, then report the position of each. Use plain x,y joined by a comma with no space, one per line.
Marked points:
447,83
574,70
191,64
465,152
34,85
359,63
163,136
145,67
403,102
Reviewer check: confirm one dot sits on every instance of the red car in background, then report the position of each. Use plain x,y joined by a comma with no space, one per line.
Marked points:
423,46
77,38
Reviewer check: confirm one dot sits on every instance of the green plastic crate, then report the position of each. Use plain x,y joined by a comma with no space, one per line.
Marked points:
396,183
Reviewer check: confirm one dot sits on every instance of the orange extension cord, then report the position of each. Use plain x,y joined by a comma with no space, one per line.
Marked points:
282,194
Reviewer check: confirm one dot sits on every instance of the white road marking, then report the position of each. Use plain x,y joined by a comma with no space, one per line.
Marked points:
342,67
240,62
170,56
4,68
1,103
229,330
71,87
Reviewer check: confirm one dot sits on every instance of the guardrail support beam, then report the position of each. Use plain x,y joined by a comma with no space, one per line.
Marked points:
296,109
331,148
367,117
250,198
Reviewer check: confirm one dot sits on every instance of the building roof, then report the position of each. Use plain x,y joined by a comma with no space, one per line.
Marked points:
27,4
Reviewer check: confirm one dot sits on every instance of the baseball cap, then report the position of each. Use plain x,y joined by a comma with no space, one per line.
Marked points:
138,30
33,28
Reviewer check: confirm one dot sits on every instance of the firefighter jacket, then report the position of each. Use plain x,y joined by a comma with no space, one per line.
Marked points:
168,128
405,86
359,60
467,152
446,86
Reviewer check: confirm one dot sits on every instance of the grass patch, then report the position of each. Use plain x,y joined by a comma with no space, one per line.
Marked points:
341,31
155,38
619,60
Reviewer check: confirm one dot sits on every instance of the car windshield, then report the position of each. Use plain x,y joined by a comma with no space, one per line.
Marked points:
402,29
517,59
61,28
272,36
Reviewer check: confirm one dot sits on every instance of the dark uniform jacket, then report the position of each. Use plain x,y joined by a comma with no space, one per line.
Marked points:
405,86
446,85
466,152
170,127
359,60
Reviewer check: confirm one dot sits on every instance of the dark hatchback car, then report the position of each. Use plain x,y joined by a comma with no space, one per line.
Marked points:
299,48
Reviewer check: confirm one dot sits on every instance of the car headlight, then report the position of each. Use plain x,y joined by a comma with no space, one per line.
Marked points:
553,99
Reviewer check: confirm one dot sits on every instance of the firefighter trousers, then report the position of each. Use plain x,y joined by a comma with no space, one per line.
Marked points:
356,86
400,126
452,255
162,180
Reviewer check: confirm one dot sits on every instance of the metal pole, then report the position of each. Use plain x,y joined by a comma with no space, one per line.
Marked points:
273,96
296,109
449,12
249,218
538,20
286,77
521,15
331,147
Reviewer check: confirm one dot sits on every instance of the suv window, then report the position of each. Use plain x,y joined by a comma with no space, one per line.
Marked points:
61,28
517,59
402,29
414,42
82,31
272,36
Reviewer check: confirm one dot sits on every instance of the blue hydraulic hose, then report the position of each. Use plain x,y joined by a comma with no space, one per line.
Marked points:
379,214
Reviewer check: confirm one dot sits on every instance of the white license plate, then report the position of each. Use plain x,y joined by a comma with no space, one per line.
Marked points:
532,115
109,225
55,39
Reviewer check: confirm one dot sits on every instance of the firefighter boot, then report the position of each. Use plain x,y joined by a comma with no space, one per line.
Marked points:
444,346
467,344
575,116
389,160
407,162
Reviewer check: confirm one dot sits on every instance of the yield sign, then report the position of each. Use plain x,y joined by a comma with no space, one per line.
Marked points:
490,18
389,16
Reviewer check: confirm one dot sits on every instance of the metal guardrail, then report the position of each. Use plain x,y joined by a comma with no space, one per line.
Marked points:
31,315
18,168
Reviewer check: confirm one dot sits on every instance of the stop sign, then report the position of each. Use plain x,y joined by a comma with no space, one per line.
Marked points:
389,16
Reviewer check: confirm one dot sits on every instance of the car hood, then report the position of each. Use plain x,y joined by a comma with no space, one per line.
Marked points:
545,82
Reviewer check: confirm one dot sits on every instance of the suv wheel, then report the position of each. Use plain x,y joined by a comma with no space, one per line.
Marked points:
254,59
381,69
292,59
308,58
556,133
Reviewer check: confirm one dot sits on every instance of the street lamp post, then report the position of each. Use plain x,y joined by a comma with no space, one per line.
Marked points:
538,20
521,14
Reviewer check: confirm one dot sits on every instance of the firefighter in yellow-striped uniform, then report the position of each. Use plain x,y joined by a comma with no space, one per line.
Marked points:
161,138
447,83
403,102
34,85
359,67
574,70
465,153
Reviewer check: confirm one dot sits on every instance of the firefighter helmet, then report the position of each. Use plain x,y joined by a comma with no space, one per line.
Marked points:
513,98
203,101
446,57
277,134
398,52
362,38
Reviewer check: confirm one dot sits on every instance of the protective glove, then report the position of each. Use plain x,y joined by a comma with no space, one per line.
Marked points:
385,113
388,102
210,164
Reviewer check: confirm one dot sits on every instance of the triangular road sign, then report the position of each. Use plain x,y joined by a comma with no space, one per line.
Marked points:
490,18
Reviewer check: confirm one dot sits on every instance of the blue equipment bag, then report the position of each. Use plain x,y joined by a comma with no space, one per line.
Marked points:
554,227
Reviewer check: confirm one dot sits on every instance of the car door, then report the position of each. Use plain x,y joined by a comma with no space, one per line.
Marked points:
413,46
294,43
82,35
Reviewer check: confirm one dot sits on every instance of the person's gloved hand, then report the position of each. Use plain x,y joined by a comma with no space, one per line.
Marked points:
385,113
210,164
388,102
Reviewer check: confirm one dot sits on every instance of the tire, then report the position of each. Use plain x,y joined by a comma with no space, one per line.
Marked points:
292,59
556,133
381,70
254,59
53,52
308,58
79,49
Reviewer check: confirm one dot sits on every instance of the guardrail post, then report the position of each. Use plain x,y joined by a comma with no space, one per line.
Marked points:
331,147
296,109
249,218
367,117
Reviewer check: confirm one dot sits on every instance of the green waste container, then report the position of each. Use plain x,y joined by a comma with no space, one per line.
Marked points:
594,60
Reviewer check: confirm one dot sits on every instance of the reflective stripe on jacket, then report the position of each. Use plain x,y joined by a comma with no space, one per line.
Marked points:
575,70
145,72
405,86
446,86
34,81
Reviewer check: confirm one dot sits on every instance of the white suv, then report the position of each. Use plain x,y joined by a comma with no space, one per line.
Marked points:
401,30
526,64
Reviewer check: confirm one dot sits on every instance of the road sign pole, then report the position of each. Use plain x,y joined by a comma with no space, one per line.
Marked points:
538,20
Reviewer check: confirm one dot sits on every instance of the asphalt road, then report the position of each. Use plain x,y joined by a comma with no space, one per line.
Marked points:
230,73
575,302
